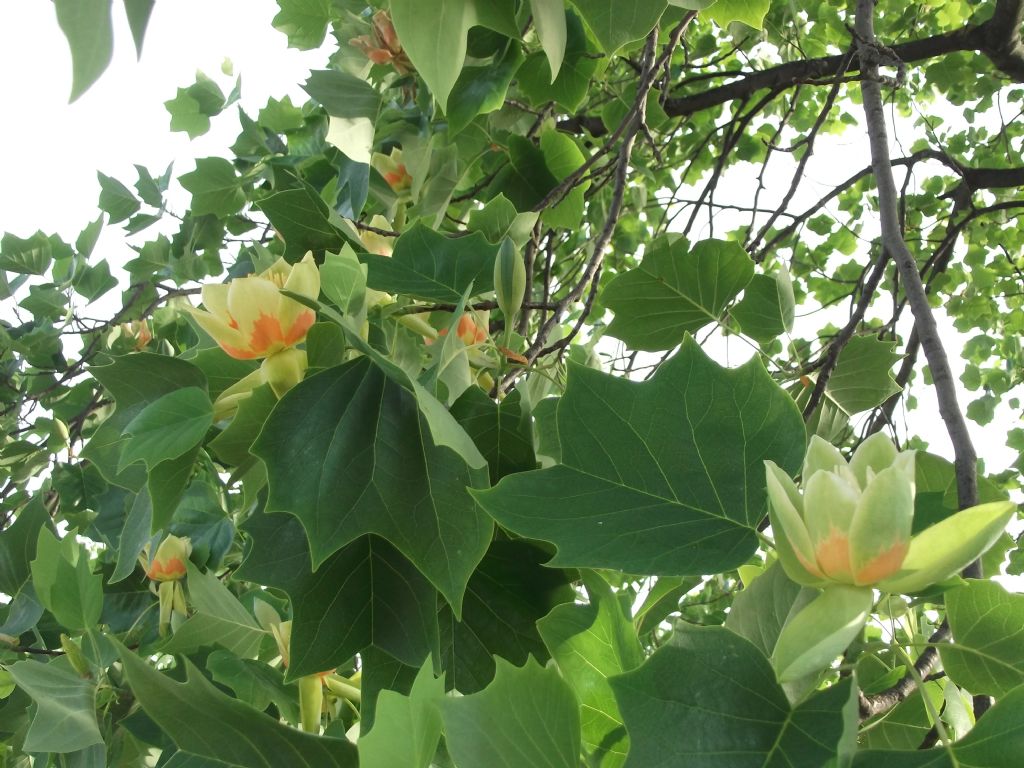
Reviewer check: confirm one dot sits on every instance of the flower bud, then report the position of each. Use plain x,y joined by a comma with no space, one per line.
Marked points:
509,281
393,170
168,564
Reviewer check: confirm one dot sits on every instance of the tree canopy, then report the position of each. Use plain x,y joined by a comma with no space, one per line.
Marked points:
534,394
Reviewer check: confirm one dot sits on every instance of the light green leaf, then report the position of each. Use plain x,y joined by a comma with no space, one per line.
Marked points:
168,427
408,728
65,716
563,157
88,28
813,637
116,199
214,186
761,610
862,377
615,23
591,643
549,21
353,136
768,307
996,741
569,88
750,12
349,452
427,265
304,21
675,291
662,477
987,654
364,594
138,12
202,720
232,445
64,582
527,718
672,719
499,219
343,280
433,34
220,619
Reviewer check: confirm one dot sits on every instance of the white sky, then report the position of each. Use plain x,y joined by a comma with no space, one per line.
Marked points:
53,150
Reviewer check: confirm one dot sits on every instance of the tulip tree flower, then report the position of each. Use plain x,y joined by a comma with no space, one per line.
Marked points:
849,531
250,319
168,568
393,170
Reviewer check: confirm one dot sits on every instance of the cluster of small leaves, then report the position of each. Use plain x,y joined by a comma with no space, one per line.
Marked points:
564,522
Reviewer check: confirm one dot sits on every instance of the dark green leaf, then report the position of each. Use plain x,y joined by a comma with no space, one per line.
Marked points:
364,594
672,719
510,583
427,265
767,307
18,544
502,431
168,427
204,721
301,218
675,291
343,94
662,477
481,90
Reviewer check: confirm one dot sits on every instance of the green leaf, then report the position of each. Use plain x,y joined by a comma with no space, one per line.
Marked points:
18,544
591,643
255,683
512,583
615,23
563,157
906,725
863,377
987,654
343,280
168,427
349,452
761,610
499,219
64,581
996,741
31,256
138,13
116,199
408,728
204,721
549,21
481,90
527,718
65,715
343,94
569,88
232,445
767,308
300,216
304,21
215,188
672,719
433,34
187,115
526,179
750,12
675,291
364,594
662,601
88,28
502,431
427,265
661,477
220,619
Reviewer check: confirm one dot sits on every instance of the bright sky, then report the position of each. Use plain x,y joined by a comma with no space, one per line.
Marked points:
53,150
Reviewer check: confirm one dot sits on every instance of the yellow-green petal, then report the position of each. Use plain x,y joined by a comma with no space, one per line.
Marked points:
876,453
880,532
813,638
949,546
821,456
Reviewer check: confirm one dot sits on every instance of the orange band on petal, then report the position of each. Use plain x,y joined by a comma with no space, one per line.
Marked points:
885,564
834,556
172,570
